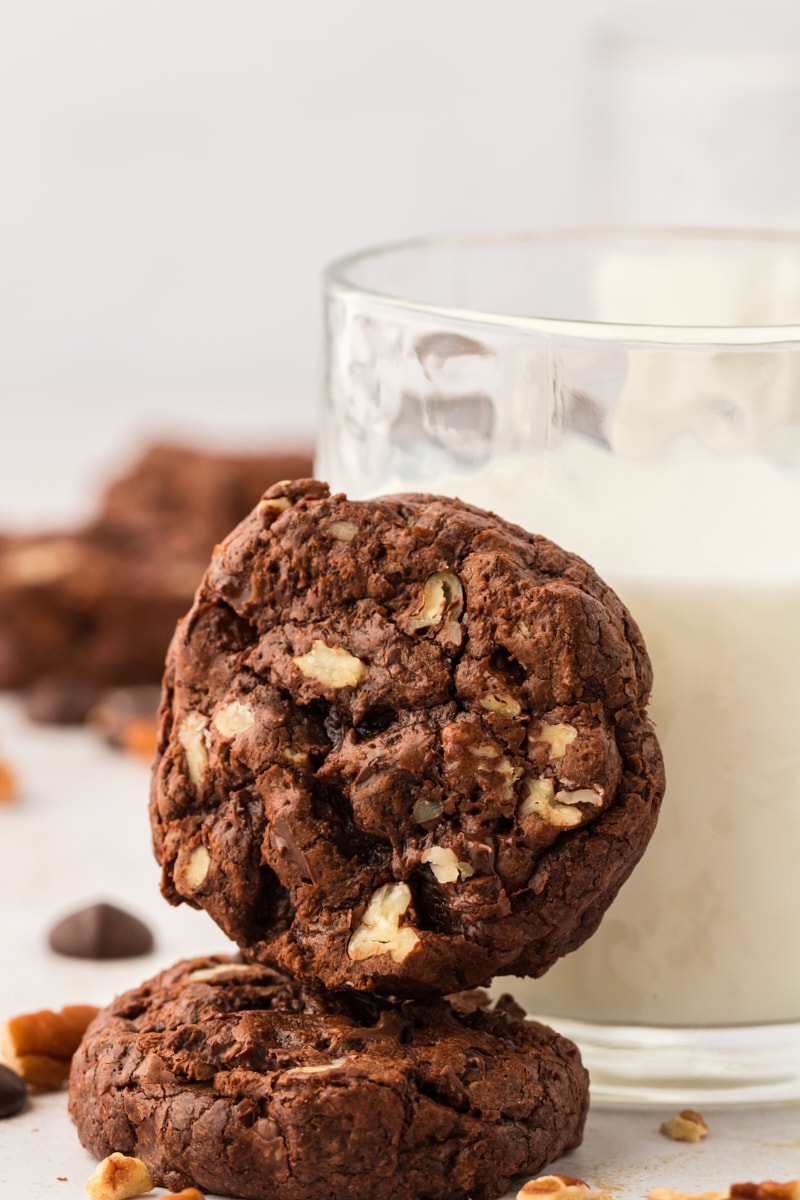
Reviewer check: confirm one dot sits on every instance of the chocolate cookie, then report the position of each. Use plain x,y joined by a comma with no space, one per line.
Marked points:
88,608
98,605
234,1079
404,744
192,498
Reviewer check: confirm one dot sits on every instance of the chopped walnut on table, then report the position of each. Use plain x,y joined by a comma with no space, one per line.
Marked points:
8,784
119,1177
560,1187
39,1046
769,1190
685,1126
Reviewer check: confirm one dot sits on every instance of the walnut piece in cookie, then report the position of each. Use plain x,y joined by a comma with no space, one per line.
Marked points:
39,1046
119,1177
402,699
379,931
685,1126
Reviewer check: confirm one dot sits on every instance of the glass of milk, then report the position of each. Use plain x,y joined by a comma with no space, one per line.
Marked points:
636,398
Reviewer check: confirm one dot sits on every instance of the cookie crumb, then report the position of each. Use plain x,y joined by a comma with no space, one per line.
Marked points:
685,1126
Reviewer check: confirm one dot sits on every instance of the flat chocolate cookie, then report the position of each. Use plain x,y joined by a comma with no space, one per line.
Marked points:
403,744
234,1079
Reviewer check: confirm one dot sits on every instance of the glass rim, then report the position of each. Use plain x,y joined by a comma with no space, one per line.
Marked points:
336,277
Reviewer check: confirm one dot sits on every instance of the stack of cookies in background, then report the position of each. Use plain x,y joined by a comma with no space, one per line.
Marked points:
403,747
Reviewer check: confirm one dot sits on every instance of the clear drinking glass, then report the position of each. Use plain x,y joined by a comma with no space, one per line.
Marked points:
636,398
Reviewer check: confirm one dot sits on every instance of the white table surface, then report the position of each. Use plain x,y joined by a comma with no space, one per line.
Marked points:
79,832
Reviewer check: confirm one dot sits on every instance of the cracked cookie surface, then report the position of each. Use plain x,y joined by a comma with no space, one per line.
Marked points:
233,1078
404,744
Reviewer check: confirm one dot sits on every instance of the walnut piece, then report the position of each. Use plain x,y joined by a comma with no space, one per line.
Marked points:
593,795
769,1190
119,1177
685,1126
379,931
8,784
233,718
42,563
294,756
193,737
540,798
39,1046
558,737
495,761
278,505
662,1193
333,1065
506,705
442,603
139,736
559,1187
342,531
427,810
556,808
331,666
197,867
204,973
445,865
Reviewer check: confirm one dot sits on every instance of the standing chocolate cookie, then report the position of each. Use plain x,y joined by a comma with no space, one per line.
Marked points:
234,1079
404,744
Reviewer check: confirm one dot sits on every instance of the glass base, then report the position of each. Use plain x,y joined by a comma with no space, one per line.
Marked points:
686,1067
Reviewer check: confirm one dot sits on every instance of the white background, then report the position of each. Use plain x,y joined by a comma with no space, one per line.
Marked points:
174,174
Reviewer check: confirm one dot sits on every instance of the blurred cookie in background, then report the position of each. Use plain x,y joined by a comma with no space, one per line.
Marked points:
98,605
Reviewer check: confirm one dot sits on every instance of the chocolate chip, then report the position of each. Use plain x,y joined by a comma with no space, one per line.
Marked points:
101,931
13,1092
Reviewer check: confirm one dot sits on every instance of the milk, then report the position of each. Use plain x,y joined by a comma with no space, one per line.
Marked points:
704,549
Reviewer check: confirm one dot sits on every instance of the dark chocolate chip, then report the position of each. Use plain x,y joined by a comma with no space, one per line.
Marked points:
55,701
13,1092
101,931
